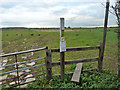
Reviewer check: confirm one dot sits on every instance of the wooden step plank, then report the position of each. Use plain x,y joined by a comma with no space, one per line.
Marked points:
77,72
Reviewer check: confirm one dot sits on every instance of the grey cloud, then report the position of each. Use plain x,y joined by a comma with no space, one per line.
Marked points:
85,21
43,13
60,12
94,11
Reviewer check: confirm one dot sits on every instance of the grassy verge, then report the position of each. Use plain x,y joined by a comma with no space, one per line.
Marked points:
88,80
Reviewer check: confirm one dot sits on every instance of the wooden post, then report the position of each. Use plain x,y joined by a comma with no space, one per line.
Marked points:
48,62
104,35
99,60
62,47
62,64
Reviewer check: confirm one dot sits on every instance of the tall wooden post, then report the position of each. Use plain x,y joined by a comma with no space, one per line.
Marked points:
62,47
62,64
48,63
100,62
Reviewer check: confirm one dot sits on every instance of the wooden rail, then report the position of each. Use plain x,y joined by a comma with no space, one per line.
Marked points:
49,64
77,49
62,58
76,61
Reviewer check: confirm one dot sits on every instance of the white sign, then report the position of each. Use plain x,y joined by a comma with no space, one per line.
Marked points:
62,38
62,46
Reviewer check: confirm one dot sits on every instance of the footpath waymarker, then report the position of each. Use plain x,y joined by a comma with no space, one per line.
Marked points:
62,34
62,47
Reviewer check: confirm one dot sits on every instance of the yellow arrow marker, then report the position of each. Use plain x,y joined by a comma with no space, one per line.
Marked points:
62,32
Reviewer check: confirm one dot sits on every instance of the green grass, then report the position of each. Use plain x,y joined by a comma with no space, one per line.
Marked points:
80,37
92,79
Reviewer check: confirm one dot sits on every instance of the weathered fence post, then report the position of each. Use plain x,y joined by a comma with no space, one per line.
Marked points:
104,36
62,47
100,60
48,63
17,71
62,64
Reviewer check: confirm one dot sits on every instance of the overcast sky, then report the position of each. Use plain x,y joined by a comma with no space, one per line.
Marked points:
46,13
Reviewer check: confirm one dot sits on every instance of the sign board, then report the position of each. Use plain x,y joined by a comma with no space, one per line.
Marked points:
62,34
62,46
